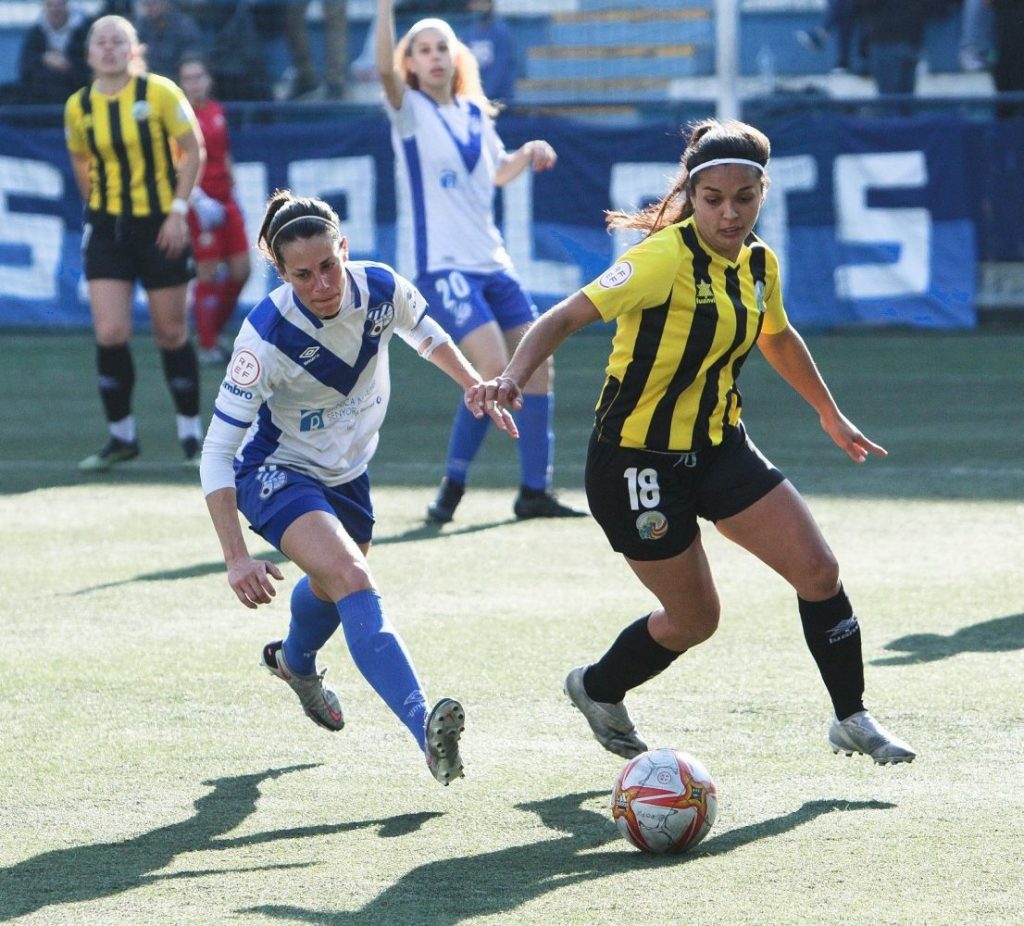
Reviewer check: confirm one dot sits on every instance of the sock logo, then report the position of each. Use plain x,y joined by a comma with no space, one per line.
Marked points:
843,630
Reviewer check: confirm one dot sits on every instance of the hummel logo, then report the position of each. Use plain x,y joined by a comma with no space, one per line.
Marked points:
309,355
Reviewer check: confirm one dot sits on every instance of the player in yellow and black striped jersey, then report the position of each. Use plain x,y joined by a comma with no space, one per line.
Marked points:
689,303
136,153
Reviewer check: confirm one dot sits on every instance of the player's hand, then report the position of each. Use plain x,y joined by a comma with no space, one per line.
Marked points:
542,155
848,438
250,581
494,399
172,238
209,211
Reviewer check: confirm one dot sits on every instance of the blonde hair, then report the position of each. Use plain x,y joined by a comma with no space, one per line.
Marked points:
466,79
136,63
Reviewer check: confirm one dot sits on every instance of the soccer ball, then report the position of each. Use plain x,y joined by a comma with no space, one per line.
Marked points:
664,801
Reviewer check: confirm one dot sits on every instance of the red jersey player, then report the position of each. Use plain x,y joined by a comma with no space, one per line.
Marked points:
219,240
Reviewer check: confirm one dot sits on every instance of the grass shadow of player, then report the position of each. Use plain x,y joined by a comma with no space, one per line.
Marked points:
83,873
438,893
999,635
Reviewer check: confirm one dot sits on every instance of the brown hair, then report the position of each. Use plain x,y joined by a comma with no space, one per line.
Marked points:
708,140
305,218
466,79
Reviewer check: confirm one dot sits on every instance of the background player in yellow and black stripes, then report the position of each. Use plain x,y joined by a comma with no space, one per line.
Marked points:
690,302
136,153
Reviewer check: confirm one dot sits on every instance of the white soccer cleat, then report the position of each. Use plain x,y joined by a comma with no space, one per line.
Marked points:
609,723
861,733
443,729
319,702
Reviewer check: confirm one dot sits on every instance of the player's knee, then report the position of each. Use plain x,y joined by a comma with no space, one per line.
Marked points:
821,575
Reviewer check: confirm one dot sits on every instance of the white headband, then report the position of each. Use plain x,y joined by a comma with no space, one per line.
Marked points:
302,218
431,23
716,161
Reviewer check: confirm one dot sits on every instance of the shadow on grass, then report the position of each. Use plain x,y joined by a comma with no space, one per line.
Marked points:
215,567
89,872
999,635
447,892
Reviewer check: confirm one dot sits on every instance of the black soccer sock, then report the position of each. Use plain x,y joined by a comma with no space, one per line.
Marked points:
116,379
181,370
632,659
833,637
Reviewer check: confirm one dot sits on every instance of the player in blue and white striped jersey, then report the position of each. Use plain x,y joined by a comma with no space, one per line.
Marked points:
443,135
295,425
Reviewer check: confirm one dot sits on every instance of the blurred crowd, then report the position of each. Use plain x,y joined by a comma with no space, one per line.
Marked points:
885,40
234,36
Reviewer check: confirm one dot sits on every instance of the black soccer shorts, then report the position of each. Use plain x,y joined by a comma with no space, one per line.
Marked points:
648,502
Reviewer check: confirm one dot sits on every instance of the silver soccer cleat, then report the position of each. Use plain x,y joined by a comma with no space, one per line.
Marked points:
445,724
610,723
861,733
319,702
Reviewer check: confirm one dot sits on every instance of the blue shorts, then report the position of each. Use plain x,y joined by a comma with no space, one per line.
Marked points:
272,497
462,302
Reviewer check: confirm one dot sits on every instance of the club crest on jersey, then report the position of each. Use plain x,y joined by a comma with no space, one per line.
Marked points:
759,296
449,179
652,525
615,275
309,355
378,317
141,110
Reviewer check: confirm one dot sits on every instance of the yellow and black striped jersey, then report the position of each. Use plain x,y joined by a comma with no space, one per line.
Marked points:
128,138
685,318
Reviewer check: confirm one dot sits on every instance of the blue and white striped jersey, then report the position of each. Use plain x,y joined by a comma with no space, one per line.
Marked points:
312,394
449,156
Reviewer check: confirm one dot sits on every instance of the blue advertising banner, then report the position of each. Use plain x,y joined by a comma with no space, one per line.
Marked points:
873,221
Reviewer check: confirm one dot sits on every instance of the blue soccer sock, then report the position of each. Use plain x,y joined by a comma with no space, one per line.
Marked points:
536,440
467,435
379,653
313,621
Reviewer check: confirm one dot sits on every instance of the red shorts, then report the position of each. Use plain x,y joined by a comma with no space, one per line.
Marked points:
224,241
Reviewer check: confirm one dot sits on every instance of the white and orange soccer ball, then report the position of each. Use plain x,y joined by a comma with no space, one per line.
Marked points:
664,801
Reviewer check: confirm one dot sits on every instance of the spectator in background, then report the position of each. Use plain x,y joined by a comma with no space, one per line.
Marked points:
238,53
895,36
168,35
490,39
1008,72
976,24
842,19
216,226
336,48
51,64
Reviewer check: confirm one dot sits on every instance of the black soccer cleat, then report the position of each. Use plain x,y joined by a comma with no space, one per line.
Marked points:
536,503
442,509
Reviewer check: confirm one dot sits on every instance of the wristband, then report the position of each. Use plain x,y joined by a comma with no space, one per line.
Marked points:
179,206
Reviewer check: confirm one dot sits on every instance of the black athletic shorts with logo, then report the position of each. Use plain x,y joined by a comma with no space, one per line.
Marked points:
648,502
124,248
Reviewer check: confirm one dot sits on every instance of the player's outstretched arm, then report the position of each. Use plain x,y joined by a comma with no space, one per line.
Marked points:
789,357
384,53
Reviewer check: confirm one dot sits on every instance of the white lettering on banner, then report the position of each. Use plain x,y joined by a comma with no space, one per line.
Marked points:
635,184
42,236
251,193
797,174
910,230
356,178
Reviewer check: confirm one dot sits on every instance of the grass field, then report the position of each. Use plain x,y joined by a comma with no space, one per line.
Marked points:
152,774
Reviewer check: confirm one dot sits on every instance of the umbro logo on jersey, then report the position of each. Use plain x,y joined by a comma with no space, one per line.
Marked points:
309,355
